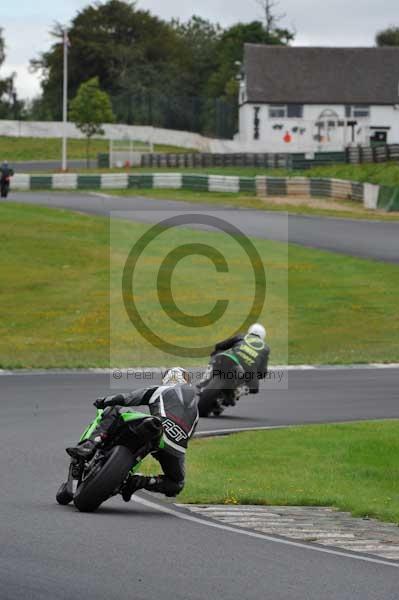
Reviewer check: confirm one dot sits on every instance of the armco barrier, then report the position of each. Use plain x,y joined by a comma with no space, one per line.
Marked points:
298,186
388,198
238,159
338,189
369,154
173,181
295,161
372,196
207,160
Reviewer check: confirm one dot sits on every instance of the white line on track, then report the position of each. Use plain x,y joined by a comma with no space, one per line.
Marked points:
217,432
260,536
108,371
99,195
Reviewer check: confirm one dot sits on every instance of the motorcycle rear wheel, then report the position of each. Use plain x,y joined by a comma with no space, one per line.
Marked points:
94,490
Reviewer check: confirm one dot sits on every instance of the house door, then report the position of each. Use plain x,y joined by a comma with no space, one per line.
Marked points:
329,129
379,138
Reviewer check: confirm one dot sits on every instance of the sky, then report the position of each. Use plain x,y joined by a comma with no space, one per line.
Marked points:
26,24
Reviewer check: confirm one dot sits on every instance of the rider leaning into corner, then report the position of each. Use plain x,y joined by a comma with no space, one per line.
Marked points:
242,353
175,403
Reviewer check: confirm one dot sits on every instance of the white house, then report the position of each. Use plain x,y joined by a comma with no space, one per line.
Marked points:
317,99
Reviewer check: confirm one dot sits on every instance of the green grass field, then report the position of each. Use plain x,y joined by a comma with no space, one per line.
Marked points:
379,173
347,209
55,296
354,467
26,149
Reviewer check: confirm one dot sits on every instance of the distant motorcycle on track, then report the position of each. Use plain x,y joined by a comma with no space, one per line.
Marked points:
236,367
5,184
220,389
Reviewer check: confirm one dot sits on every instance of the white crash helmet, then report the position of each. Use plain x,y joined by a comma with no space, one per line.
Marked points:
176,375
258,330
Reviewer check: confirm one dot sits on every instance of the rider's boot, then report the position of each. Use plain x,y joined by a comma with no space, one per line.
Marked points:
88,448
85,450
106,429
133,484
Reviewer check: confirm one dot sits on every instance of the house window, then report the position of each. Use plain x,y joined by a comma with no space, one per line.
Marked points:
256,122
357,111
281,111
277,111
361,111
295,111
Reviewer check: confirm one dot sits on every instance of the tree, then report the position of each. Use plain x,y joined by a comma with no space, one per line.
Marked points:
10,107
129,50
90,109
199,41
388,37
178,75
271,19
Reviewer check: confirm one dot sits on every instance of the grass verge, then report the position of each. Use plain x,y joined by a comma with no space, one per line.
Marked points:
345,209
55,296
29,148
354,467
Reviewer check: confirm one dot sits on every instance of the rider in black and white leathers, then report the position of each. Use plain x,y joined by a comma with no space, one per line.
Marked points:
175,404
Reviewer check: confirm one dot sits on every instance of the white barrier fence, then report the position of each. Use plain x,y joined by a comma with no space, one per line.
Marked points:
54,129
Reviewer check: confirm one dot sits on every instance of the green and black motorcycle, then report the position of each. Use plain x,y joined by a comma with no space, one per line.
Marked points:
92,482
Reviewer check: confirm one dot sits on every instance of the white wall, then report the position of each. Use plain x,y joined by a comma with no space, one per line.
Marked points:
184,139
386,116
271,140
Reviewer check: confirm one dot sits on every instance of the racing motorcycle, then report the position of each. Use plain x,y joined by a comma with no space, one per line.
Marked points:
5,184
216,390
93,481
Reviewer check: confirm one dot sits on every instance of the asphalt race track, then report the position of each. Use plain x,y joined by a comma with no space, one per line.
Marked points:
136,551
368,239
38,166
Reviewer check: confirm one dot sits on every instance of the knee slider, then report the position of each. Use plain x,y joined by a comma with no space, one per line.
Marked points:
166,486
173,488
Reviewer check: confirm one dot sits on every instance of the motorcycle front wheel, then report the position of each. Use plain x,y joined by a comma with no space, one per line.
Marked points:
103,483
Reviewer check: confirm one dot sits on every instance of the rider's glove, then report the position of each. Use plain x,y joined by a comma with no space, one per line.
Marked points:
110,401
100,403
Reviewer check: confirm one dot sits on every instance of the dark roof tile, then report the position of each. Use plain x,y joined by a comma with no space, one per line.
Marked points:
322,75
